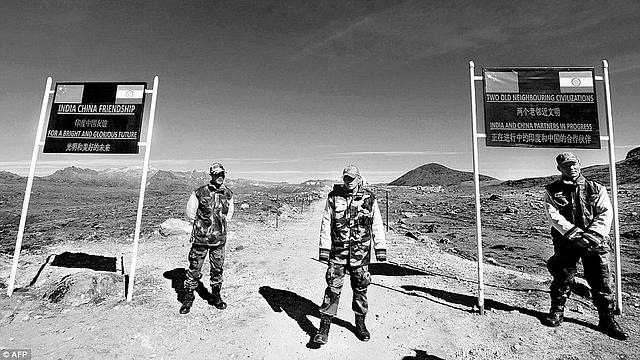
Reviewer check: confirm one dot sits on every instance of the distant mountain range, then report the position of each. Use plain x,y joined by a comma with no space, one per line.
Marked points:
433,174
161,180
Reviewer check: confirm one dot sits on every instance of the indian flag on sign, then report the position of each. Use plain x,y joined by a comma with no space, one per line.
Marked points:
501,82
69,94
576,81
129,94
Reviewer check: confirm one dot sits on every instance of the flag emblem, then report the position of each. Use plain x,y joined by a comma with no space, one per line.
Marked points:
501,82
69,94
129,94
576,81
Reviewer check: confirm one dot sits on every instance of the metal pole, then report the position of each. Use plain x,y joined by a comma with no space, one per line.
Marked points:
386,193
476,180
614,186
143,186
27,193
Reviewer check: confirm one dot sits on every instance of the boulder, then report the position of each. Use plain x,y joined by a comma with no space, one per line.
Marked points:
84,287
175,227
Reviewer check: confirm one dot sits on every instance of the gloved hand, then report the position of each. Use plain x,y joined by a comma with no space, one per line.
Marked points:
580,243
593,238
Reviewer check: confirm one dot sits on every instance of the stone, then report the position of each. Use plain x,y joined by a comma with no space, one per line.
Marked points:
175,227
84,287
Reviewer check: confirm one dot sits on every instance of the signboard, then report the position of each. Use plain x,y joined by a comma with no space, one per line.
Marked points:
96,118
549,107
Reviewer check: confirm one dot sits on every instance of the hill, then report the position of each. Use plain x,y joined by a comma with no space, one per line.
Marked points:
434,174
627,172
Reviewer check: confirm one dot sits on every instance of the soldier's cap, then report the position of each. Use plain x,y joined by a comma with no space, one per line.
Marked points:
216,168
351,171
566,157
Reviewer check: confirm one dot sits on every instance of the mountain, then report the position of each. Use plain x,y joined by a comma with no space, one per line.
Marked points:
434,174
627,172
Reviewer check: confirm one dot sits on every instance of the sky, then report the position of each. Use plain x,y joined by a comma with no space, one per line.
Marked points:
281,90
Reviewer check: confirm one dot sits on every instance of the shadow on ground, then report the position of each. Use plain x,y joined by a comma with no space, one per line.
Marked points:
421,355
489,304
177,277
299,309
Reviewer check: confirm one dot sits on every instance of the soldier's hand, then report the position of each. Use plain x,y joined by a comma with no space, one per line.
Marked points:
592,238
581,243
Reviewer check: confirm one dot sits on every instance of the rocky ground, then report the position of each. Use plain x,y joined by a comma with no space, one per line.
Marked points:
423,302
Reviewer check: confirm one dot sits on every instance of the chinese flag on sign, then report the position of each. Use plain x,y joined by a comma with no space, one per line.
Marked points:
69,94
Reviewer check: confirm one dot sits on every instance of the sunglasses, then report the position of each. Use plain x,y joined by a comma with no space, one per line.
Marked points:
348,178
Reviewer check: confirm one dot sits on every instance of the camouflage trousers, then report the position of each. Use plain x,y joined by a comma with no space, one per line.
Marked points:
360,279
563,267
197,254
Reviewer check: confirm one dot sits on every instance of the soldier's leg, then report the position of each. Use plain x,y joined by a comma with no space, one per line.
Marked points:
598,274
360,280
562,267
335,279
197,253
216,262
329,308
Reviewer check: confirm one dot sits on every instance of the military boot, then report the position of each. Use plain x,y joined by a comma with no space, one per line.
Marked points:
323,334
216,299
188,302
361,330
609,326
556,313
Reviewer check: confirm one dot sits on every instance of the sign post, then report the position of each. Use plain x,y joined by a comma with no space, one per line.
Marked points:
542,107
95,118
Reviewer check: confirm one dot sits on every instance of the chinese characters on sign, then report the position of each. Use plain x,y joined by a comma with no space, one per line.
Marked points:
541,107
101,118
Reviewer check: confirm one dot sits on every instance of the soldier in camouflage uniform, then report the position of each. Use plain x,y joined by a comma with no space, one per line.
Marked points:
580,215
350,224
209,208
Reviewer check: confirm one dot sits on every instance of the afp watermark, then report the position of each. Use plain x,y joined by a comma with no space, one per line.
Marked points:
22,354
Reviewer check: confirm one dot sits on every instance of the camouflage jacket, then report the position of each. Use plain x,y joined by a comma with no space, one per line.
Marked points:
209,209
351,224
575,207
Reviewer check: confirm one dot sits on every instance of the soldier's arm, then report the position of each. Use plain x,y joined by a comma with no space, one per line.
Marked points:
603,216
379,239
192,207
231,209
325,232
558,221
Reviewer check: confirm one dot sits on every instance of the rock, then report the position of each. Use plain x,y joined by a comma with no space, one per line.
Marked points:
411,235
175,227
495,197
244,206
84,287
491,261
408,214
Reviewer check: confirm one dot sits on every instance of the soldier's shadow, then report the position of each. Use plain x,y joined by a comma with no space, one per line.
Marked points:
470,301
177,277
299,309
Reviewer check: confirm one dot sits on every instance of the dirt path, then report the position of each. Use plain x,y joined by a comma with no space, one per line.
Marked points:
421,307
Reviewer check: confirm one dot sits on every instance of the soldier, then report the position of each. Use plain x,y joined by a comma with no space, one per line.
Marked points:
351,222
209,208
580,215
